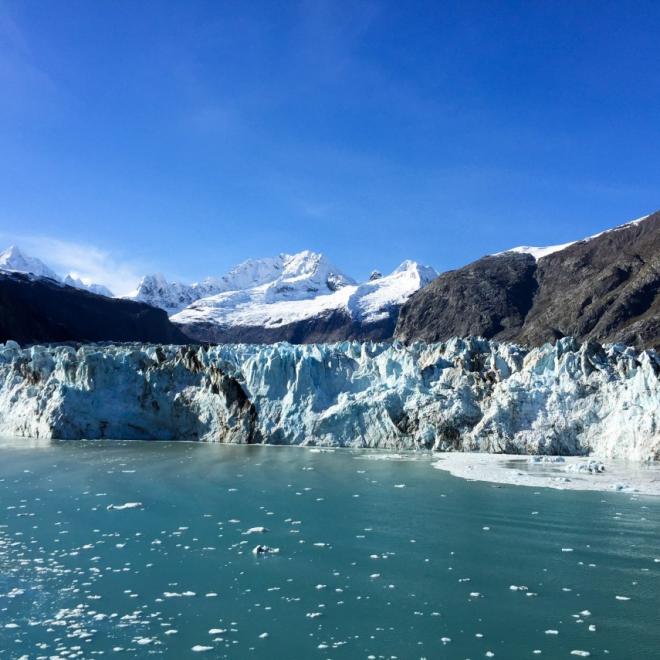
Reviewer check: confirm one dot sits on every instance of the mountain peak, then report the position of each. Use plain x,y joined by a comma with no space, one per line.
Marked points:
13,260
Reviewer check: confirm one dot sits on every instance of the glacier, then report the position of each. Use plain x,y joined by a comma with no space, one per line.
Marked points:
461,395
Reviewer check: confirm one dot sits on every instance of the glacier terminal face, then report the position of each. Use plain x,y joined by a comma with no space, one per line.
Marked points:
461,395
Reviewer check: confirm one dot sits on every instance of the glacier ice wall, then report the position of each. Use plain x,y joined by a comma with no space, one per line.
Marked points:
465,394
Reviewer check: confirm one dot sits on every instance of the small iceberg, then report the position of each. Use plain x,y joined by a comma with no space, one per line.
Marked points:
264,550
122,507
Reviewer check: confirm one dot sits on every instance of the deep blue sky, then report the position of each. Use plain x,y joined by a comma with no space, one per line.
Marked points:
187,136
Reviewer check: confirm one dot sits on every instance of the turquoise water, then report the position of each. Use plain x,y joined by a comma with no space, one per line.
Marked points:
378,558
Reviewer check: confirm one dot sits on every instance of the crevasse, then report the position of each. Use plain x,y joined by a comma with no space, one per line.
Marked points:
465,394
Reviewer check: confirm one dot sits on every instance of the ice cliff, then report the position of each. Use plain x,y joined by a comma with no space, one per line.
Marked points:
463,394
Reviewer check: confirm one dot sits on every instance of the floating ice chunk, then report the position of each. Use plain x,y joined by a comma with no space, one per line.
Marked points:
256,530
264,550
551,632
547,459
200,648
581,654
122,507
590,466
623,597
514,587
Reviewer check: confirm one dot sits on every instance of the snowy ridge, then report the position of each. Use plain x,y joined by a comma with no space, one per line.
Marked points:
79,283
13,260
308,287
461,395
286,277
540,252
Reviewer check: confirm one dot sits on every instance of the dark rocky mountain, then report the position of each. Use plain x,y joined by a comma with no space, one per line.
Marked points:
42,310
333,326
605,288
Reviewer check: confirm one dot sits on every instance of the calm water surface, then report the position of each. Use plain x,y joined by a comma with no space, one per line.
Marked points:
379,558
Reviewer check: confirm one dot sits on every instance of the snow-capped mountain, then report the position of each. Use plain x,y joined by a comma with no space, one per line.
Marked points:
78,283
603,288
12,260
540,252
304,298
301,275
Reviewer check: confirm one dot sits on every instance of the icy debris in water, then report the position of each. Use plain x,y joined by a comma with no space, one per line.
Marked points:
199,648
263,635
551,632
217,631
445,640
592,628
624,488
256,530
174,594
591,466
490,654
581,654
264,550
514,587
399,485
567,549
623,597
122,507
313,615
546,459
211,594
585,613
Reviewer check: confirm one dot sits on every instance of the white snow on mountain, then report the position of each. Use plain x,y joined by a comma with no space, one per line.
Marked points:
308,286
86,285
285,277
540,252
12,260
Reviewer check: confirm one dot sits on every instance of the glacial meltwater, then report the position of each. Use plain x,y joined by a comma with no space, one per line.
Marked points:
132,549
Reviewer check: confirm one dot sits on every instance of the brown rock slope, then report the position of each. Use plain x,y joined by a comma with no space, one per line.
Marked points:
606,288
39,310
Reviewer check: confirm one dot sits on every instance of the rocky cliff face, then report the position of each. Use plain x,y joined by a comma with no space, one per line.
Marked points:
606,288
42,310
463,395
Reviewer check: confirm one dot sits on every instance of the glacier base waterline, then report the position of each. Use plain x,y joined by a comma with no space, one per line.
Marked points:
461,395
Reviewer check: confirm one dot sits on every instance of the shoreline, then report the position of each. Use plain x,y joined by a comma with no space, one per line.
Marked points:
557,472
520,470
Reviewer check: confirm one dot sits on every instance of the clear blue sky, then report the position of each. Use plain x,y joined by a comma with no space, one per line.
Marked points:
187,136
